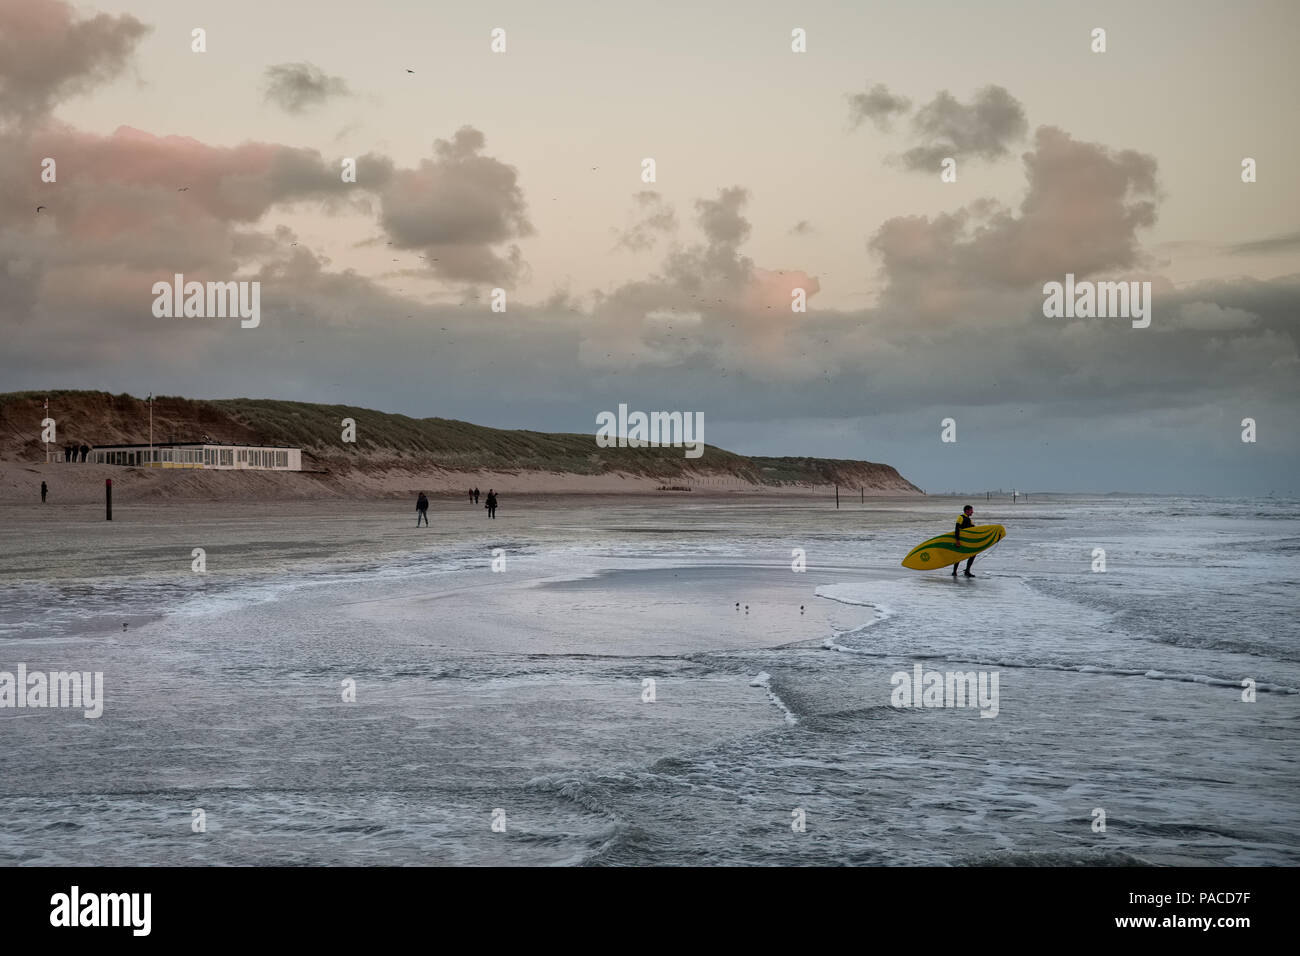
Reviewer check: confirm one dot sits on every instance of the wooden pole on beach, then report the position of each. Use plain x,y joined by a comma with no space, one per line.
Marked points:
108,499
837,497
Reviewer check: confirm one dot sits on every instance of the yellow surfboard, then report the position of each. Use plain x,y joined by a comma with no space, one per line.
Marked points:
942,551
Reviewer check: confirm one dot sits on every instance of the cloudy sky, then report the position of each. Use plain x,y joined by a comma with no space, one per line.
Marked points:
774,170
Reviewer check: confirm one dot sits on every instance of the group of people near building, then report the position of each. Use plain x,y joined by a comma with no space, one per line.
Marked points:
422,505
75,452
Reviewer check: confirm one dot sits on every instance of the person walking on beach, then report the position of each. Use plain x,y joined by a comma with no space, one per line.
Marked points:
471,496
422,510
491,504
44,492
963,521
475,496
84,451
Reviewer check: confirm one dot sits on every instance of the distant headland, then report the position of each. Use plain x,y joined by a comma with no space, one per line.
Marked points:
390,455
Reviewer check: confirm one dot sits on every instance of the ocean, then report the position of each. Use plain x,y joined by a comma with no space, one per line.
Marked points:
631,681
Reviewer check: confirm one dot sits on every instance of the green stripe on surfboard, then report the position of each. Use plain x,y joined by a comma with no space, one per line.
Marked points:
943,550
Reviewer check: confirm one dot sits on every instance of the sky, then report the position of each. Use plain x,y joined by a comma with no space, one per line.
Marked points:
775,170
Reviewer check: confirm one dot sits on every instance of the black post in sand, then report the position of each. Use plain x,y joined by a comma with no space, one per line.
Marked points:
108,499
837,496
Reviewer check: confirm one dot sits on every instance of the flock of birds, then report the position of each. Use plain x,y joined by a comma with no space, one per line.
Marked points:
747,606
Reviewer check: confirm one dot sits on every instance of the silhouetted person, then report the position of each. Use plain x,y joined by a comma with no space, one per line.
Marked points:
422,510
67,453
85,450
44,491
471,496
475,496
491,504
963,521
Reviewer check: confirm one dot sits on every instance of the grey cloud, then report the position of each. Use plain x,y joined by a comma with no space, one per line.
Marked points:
718,260
1089,371
1080,214
460,198
132,180
295,87
721,219
47,55
877,105
710,285
1284,243
656,217
303,174
476,263
981,129
1209,316
707,305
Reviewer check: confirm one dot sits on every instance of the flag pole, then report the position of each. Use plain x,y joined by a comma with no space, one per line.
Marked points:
151,429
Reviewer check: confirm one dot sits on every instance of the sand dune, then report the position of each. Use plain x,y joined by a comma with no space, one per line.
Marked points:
84,483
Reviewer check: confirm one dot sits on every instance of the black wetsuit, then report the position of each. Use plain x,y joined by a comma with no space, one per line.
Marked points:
962,522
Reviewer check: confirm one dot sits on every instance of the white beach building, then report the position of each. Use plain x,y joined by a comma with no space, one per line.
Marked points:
218,455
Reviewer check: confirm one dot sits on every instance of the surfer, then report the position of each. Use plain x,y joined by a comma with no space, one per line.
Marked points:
963,521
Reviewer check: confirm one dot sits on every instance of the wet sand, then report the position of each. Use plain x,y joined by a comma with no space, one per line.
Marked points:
525,690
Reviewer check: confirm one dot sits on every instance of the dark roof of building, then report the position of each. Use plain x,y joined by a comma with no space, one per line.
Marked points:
192,444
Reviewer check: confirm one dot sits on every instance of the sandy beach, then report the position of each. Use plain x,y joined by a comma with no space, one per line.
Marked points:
645,681
84,484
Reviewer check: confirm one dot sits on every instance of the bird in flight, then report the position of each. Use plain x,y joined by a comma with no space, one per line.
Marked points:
410,71
39,208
